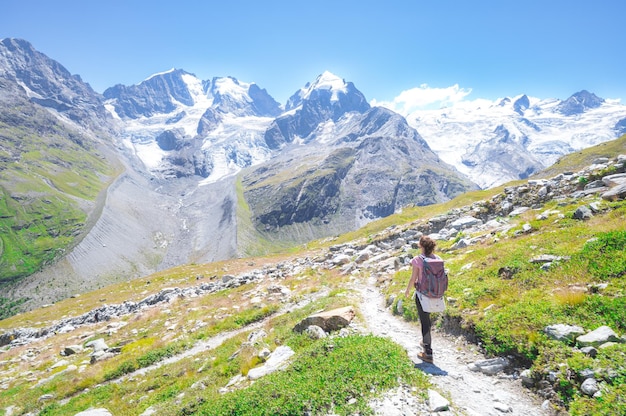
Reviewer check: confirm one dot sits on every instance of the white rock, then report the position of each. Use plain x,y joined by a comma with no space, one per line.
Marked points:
436,402
95,412
278,358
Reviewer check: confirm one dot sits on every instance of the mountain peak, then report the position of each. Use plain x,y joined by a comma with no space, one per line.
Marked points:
579,102
230,86
332,88
326,81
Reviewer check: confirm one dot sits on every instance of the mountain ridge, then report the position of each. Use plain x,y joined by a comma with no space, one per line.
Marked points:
186,144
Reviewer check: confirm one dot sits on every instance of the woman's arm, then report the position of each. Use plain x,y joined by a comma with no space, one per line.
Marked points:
414,276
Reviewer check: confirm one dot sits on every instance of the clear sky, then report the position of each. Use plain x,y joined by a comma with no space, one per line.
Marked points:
440,50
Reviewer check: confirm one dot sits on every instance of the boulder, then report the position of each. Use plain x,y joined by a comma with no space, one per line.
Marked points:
598,337
315,332
564,333
590,386
436,402
583,213
97,345
614,180
465,222
329,321
615,193
490,366
277,360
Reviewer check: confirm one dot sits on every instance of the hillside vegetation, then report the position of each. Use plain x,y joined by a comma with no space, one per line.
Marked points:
50,178
191,354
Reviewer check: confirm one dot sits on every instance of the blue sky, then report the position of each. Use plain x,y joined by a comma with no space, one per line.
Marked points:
445,50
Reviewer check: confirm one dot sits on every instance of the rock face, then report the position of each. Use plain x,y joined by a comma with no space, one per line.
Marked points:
155,95
328,98
48,84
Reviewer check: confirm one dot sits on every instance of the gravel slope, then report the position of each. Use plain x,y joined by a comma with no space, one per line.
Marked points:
144,227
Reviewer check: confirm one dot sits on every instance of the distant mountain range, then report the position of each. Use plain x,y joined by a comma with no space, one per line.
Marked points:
512,138
215,169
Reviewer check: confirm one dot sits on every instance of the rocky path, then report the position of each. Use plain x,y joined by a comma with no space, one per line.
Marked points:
470,393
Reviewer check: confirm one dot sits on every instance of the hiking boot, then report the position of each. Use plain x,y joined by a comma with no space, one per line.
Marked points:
426,350
427,358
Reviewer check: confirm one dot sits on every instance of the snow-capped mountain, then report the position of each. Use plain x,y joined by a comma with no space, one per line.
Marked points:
180,126
494,142
341,163
326,99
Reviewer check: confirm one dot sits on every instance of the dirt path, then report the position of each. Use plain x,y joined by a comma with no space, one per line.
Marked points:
471,393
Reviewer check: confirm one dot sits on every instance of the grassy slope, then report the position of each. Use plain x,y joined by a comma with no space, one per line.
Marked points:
522,306
50,176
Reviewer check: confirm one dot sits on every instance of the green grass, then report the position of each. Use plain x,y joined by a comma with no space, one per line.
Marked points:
576,161
337,375
47,172
508,314
146,340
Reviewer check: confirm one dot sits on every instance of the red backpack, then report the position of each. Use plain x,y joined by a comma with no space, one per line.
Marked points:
434,278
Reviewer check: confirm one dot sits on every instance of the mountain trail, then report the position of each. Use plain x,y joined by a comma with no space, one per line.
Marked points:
471,393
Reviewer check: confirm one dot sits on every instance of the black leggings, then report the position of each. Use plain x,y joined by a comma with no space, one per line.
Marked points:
425,323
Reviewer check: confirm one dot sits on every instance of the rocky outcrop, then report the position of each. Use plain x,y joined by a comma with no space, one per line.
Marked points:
49,84
328,321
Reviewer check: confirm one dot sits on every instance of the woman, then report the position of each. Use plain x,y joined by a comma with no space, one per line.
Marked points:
427,246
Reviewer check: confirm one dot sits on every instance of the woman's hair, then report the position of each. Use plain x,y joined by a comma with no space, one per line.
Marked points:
428,244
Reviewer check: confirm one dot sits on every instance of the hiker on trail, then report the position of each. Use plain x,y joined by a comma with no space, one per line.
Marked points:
427,246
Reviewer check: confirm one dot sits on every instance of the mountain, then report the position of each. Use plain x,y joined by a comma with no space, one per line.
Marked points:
180,126
493,142
183,160
47,83
342,164
327,162
579,103
177,146
56,160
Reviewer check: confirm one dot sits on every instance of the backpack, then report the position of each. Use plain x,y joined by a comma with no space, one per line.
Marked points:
434,279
